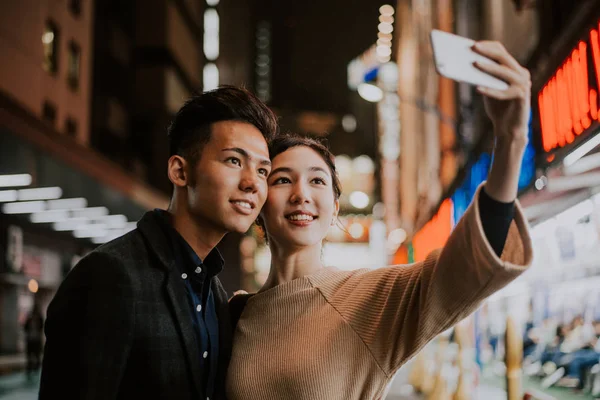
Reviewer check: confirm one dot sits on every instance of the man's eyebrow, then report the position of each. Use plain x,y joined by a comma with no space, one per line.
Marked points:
262,161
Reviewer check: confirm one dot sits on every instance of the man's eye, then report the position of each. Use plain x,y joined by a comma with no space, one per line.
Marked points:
263,171
234,161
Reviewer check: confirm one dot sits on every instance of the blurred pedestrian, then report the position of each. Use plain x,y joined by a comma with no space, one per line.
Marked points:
145,316
34,330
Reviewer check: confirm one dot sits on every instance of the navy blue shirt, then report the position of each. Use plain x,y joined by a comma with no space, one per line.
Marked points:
197,275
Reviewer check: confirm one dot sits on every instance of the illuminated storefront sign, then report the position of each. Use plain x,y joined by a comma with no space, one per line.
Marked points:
568,102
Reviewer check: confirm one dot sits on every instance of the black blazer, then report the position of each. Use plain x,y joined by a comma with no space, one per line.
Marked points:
119,326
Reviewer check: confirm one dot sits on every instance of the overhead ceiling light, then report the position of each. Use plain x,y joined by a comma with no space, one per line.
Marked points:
33,286
114,221
388,19
385,27
383,60
384,51
129,227
111,235
363,165
49,216
384,42
15,180
359,199
44,193
370,92
356,230
396,237
67,204
90,212
582,150
8,195
89,233
386,9
70,224
25,207
349,123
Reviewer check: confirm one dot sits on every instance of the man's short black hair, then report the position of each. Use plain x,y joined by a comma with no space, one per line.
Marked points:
190,129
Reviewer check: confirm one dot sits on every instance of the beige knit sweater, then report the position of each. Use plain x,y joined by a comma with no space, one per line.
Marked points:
343,334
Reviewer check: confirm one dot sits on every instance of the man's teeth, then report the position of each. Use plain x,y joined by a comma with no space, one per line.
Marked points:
300,217
243,204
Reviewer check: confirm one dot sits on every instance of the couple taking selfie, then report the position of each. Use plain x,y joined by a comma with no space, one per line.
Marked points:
145,316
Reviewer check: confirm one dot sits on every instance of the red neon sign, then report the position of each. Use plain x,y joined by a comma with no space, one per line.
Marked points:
567,103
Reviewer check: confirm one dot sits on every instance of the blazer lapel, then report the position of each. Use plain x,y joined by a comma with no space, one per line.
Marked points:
225,335
158,242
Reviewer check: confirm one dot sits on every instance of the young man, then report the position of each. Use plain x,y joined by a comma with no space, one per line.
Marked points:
145,316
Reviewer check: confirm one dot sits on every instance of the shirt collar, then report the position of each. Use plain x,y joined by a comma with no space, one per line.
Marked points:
213,262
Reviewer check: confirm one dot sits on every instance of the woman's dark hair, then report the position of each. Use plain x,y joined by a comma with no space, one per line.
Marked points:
287,141
190,129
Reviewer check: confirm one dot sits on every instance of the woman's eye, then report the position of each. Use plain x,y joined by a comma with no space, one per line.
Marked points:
281,180
319,181
234,161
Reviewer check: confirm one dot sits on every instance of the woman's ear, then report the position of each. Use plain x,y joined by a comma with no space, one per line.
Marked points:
336,212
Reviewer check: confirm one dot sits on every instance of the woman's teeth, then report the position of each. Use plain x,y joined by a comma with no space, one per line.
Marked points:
301,217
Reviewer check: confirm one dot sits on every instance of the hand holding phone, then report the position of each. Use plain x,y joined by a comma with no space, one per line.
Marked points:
454,58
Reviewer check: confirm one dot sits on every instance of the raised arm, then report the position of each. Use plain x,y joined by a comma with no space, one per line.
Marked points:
397,310
509,111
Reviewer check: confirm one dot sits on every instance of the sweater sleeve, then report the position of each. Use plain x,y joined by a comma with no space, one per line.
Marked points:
396,310
496,218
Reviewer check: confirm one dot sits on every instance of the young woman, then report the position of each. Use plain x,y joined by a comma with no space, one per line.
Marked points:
314,332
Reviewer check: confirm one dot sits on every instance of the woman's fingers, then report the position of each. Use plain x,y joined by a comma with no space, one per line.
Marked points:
513,92
500,71
508,69
497,52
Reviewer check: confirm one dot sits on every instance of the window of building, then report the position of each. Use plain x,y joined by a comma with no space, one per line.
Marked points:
49,111
117,119
74,65
50,43
75,7
71,127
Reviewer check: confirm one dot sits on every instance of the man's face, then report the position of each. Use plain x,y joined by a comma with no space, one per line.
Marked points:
229,185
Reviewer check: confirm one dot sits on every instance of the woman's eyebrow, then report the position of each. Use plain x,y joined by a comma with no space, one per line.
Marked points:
281,169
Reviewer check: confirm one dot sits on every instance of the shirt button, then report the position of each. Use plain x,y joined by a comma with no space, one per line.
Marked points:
205,354
198,270
198,308
184,276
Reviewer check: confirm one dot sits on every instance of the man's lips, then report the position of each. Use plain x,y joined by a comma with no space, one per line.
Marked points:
245,207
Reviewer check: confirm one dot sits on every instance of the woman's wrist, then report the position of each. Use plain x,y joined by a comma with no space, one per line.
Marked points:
503,180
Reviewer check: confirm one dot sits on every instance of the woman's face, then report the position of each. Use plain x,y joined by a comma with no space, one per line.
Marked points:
300,205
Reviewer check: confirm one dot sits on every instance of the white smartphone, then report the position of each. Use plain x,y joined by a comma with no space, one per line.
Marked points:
454,57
